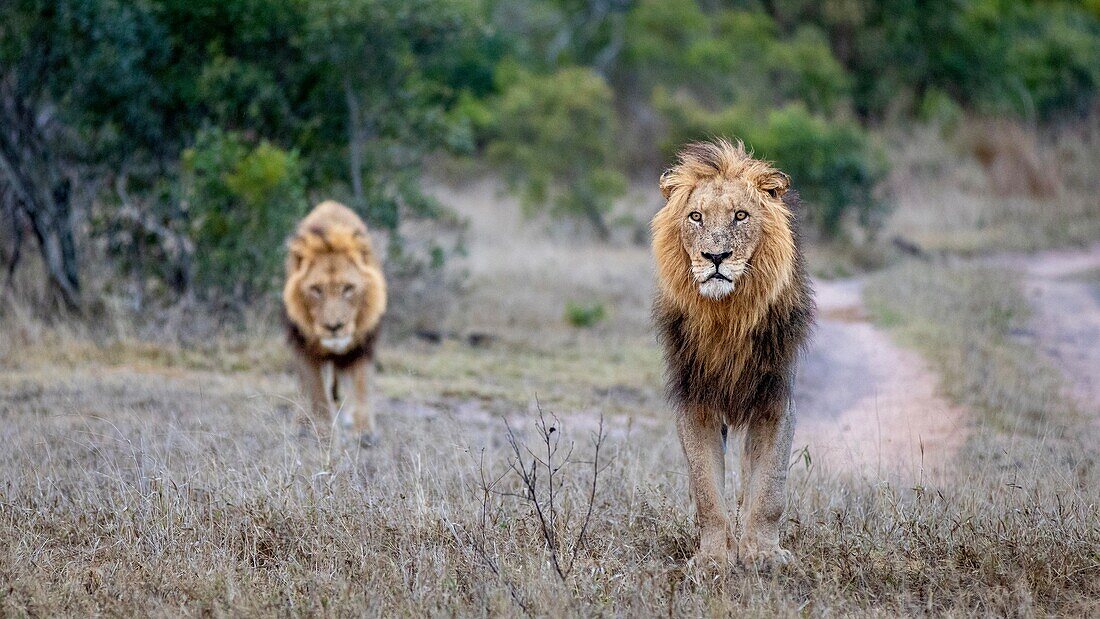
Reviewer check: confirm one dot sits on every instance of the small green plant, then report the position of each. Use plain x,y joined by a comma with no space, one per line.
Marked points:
584,315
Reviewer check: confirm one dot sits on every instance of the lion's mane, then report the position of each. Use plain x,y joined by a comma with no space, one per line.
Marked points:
734,356
332,229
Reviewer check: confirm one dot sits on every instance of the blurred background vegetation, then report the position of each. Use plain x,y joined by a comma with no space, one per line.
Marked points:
167,146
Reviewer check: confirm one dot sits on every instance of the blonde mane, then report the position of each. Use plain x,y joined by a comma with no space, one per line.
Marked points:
332,229
723,353
773,262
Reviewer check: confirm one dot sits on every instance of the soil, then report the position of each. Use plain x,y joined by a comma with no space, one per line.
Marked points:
866,405
1064,290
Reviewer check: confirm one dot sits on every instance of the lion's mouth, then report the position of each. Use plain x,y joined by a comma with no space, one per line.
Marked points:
336,344
717,275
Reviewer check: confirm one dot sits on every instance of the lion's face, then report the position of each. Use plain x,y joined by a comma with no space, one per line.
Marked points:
723,239
333,290
720,229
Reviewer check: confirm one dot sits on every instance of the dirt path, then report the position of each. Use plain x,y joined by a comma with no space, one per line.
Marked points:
1064,290
865,404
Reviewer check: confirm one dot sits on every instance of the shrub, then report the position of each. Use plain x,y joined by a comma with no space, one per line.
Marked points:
584,314
553,139
242,200
731,56
997,56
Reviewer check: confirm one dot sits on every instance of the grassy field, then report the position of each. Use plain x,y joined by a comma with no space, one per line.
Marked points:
157,468
159,479
157,487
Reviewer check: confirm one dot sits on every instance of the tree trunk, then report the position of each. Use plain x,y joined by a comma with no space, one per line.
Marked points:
355,144
43,193
598,222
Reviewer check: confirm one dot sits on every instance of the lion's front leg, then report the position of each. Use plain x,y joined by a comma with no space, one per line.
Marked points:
316,385
764,464
701,438
357,409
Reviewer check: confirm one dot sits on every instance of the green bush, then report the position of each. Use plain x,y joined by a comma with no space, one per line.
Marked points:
731,56
831,162
1053,52
584,314
1029,57
242,201
553,138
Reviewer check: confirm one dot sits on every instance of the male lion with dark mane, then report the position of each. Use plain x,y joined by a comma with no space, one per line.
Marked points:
334,297
733,309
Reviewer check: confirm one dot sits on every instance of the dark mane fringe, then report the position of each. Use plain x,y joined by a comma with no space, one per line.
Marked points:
759,392
363,350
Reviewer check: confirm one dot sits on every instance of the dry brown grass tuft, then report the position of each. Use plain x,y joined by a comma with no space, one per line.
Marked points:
1011,158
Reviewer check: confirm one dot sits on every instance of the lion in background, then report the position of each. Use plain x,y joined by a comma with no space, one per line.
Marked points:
334,297
733,309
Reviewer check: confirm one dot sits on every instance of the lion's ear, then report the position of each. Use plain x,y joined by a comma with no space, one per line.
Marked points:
363,243
666,183
295,257
775,184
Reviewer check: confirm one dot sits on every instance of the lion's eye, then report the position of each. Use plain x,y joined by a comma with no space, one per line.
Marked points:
695,216
741,215
315,292
348,290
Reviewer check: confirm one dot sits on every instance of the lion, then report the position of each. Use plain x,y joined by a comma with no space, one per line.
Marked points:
733,309
334,298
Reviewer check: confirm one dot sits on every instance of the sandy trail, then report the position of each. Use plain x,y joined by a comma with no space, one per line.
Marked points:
1064,290
865,405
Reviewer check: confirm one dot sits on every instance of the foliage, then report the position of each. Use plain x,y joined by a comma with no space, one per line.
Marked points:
1032,57
554,138
359,90
242,201
584,314
730,55
103,97
715,75
57,73
394,69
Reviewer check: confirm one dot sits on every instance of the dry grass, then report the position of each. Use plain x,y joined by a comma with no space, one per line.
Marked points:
523,275
143,487
956,189
971,322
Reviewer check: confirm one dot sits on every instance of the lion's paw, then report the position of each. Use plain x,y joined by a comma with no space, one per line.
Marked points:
714,552
764,557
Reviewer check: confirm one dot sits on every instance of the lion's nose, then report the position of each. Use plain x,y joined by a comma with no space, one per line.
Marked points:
717,258
334,326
